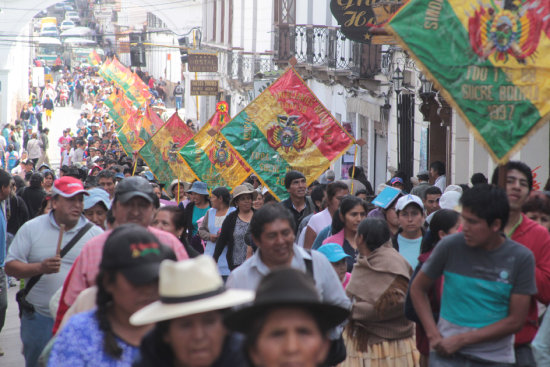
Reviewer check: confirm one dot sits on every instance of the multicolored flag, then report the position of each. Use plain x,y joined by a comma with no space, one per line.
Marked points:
287,128
490,61
138,129
103,70
134,88
212,157
161,152
120,109
94,58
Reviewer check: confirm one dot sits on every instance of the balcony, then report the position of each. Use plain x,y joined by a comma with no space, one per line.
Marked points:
327,49
243,66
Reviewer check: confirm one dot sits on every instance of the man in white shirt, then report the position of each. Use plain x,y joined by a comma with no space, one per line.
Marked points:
437,173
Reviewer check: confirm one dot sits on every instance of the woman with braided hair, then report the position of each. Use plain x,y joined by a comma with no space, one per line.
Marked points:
127,281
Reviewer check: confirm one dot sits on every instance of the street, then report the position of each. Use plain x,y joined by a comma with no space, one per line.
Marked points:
9,337
10,343
63,117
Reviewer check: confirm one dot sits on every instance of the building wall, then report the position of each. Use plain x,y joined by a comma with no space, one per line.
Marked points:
471,157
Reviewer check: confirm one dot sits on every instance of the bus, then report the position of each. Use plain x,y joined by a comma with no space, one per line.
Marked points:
79,56
47,50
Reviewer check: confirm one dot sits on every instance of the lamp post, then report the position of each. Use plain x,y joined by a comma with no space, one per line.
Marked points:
397,79
427,85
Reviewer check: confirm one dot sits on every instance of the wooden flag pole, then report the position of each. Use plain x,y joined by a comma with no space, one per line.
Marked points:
502,172
59,240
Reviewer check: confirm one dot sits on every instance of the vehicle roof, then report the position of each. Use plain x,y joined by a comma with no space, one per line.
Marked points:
48,41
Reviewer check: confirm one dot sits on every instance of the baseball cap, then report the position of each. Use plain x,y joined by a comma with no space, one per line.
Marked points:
333,251
68,187
133,186
450,200
406,200
136,253
97,195
396,180
149,175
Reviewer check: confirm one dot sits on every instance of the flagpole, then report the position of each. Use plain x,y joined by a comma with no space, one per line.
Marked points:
353,169
135,164
196,78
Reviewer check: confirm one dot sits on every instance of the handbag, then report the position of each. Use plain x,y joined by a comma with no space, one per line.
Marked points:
21,296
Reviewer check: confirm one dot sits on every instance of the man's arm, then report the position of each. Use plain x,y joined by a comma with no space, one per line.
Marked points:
519,307
419,296
309,238
19,269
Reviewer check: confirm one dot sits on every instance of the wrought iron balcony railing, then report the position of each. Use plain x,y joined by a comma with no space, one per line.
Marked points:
323,46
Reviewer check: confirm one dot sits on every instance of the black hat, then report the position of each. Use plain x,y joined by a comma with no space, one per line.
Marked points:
282,288
136,253
133,186
291,176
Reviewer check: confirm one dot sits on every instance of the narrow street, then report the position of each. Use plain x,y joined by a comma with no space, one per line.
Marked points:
63,117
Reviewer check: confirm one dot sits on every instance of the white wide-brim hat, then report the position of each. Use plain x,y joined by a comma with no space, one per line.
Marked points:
190,287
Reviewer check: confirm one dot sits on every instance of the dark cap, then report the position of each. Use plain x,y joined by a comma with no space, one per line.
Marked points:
134,186
291,176
136,253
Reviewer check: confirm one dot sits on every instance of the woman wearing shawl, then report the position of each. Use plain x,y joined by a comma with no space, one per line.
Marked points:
378,333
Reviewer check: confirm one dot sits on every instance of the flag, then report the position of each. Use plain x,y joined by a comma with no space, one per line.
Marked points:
134,88
138,129
94,58
120,109
103,70
490,61
287,128
161,152
212,157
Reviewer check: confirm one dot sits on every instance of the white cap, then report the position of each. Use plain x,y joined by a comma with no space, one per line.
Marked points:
450,200
404,201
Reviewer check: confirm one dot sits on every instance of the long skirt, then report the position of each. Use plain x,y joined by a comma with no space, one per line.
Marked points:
389,353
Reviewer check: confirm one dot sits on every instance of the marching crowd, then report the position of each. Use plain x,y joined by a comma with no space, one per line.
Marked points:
118,275
118,270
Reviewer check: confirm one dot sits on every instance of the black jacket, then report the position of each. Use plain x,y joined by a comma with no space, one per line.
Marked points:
226,239
33,197
17,213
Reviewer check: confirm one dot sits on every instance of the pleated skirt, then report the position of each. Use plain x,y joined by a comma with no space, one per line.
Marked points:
390,353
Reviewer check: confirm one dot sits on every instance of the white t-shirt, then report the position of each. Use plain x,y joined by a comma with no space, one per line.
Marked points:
320,221
441,182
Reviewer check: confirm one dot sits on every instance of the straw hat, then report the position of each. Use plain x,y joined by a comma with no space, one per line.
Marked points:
243,190
187,288
175,182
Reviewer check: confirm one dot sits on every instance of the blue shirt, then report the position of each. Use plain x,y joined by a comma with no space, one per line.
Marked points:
410,249
80,343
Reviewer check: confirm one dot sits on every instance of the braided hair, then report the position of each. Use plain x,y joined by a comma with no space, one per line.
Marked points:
103,301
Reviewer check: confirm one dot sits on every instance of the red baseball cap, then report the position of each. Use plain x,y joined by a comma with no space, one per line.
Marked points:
68,186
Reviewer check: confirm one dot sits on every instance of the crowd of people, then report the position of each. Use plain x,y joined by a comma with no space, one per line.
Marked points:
118,270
